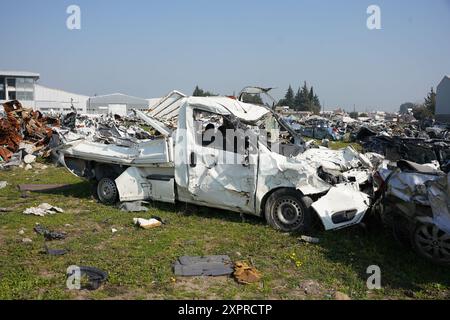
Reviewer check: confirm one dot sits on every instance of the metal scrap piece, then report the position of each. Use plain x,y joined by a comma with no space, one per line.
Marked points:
203,266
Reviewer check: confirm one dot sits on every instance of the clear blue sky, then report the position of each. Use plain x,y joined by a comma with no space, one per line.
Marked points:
147,48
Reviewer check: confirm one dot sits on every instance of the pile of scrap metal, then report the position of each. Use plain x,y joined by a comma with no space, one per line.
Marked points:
414,200
121,131
106,129
421,151
23,132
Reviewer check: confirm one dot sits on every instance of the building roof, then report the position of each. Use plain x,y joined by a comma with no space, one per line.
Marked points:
117,98
19,74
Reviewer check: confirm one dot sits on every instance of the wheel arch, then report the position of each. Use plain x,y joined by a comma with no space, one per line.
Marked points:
263,201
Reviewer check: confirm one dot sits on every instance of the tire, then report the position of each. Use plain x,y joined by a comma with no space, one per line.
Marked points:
432,243
107,191
287,210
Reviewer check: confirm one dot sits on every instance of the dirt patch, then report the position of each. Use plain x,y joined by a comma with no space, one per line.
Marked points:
201,286
306,290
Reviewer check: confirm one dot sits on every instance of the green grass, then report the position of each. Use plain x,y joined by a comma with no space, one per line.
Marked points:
139,261
336,145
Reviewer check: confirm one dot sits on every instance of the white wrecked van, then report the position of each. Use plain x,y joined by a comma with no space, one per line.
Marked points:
230,155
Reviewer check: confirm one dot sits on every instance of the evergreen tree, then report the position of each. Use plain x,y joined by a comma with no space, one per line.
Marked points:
198,92
317,102
252,98
298,100
304,98
201,93
311,94
288,98
430,102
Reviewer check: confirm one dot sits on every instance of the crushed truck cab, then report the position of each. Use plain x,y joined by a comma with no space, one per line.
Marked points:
196,158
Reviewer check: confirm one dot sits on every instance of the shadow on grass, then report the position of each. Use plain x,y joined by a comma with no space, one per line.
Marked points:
207,213
400,267
80,190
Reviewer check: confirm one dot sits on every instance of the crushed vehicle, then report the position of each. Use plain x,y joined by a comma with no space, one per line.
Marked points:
188,160
315,127
421,151
414,201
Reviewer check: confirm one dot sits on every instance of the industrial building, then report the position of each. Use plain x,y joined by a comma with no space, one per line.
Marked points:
22,86
116,103
443,100
18,85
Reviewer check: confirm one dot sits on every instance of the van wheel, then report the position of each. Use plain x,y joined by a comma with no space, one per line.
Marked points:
288,211
107,191
432,243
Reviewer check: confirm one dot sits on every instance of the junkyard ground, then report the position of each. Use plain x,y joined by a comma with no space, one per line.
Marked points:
139,261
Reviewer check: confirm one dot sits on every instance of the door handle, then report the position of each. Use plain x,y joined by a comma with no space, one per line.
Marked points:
192,160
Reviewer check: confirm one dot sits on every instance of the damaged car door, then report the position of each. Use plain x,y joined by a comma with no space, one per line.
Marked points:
222,165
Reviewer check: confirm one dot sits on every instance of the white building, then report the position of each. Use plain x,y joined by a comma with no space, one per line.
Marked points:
18,85
22,86
443,100
116,103
48,99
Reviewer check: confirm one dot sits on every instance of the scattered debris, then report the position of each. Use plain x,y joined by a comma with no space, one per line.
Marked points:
27,240
309,239
3,184
163,221
245,274
54,252
21,232
113,230
147,224
188,266
95,277
135,206
49,235
29,159
24,132
43,209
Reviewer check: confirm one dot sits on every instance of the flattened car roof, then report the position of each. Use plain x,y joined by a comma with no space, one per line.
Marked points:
225,106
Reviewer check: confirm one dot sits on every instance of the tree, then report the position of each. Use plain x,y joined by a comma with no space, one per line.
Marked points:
354,115
304,101
430,102
422,113
288,98
201,93
298,100
252,98
406,106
